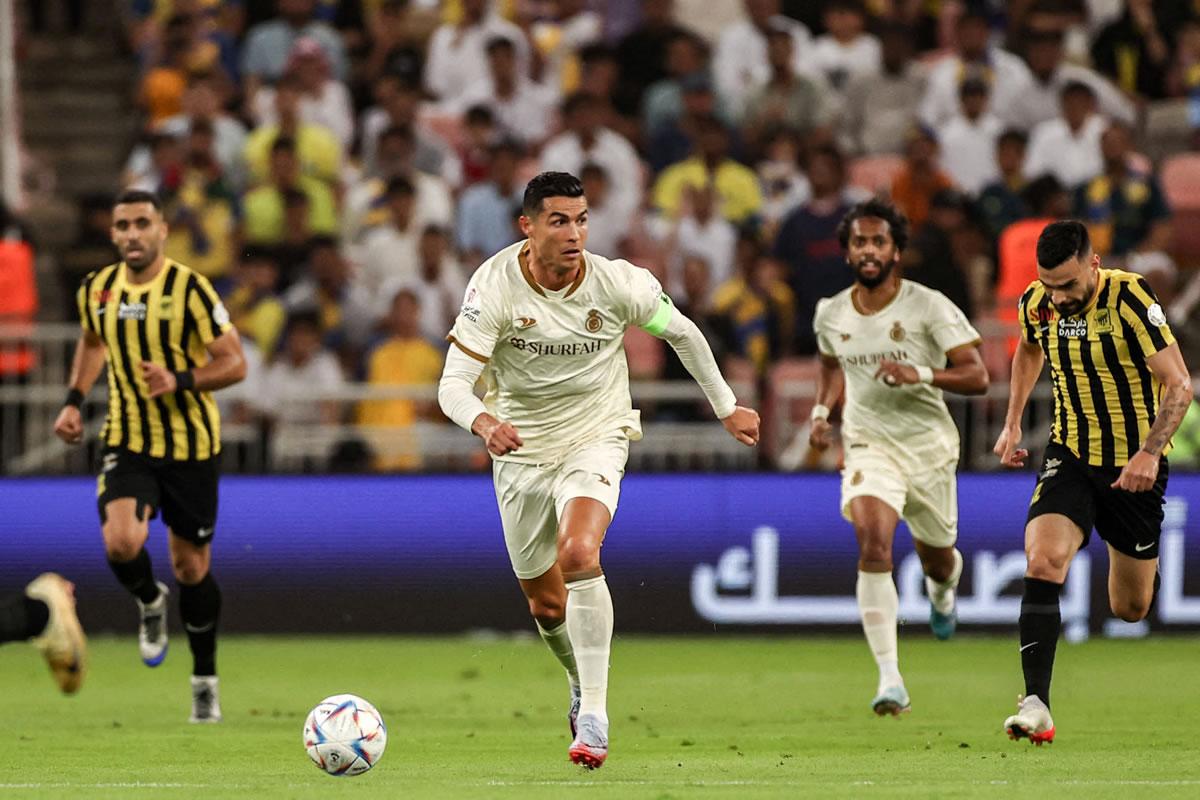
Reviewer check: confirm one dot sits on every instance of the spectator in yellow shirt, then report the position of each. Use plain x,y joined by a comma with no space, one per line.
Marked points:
403,359
736,184
253,305
318,150
265,206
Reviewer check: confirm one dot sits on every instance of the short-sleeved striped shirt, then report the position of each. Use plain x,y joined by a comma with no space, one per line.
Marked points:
1105,397
168,321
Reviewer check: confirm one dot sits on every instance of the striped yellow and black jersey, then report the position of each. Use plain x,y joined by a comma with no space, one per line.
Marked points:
1105,396
169,321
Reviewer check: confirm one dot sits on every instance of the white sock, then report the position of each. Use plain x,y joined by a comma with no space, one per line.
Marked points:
941,595
559,643
878,604
590,626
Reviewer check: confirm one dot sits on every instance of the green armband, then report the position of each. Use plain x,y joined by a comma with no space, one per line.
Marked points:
658,323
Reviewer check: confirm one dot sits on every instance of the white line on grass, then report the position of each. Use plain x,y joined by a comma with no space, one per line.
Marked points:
125,785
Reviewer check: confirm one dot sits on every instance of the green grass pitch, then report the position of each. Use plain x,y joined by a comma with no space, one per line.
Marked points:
691,717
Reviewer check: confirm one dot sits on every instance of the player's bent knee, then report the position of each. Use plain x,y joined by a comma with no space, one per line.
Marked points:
122,546
1047,566
548,610
578,554
1130,610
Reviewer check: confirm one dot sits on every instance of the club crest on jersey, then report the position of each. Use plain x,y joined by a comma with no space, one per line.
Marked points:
857,478
594,323
898,333
101,296
1103,321
1072,328
166,308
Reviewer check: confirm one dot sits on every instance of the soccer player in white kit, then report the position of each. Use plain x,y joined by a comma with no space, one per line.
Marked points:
893,345
544,321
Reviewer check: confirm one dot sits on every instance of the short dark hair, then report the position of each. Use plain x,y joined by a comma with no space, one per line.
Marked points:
878,209
130,196
283,143
549,184
400,185
1061,241
295,198
323,242
260,252
500,43
479,115
1076,87
1013,136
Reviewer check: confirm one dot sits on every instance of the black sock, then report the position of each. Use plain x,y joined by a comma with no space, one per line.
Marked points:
1040,624
137,576
200,606
22,618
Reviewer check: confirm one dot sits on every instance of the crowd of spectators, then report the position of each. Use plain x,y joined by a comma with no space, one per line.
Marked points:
338,169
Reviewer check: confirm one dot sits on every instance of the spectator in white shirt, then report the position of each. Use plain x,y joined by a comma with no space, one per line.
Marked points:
1007,73
364,200
457,59
585,140
740,64
847,49
1068,147
389,250
968,141
1044,52
439,284
701,232
398,101
269,44
607,229
524,109
324,100
303,368
879,110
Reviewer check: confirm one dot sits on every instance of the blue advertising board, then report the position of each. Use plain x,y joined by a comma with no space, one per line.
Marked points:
687,553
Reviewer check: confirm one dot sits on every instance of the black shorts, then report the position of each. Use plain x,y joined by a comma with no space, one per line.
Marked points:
1129,521
185,490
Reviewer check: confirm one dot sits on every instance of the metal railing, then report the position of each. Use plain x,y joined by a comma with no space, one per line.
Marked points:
255,443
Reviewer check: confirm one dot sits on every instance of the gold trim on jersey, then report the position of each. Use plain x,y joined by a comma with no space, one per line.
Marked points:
467,350
527,273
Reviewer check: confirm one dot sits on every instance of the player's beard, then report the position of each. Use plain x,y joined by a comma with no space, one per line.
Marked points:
870,282
1073,307
142,262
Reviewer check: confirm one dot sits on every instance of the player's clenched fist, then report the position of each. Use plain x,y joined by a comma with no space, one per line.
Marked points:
1006,448
820,435
501,438
69,425
158,378
742,425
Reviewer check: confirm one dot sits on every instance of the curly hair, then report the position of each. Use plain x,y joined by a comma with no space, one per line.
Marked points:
879,209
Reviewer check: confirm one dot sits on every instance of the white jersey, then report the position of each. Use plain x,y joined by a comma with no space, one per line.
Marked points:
556,364
918,327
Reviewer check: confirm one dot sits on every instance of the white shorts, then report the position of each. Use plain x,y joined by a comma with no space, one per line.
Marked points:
927,501
532,499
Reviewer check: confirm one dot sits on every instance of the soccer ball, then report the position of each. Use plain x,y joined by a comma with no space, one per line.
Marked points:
344,735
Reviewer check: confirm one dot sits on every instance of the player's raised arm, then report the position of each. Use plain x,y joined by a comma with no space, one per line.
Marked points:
661,318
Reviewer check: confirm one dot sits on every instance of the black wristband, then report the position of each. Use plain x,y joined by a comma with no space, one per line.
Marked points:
184,380
74,398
